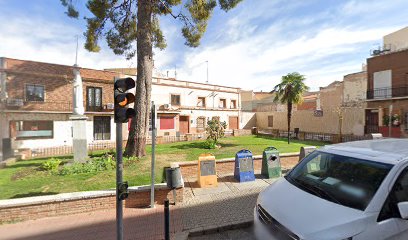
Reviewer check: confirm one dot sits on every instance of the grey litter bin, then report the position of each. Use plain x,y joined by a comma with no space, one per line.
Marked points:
304,151
173,178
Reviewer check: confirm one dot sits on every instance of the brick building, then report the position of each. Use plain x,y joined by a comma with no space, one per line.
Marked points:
36,103
387,87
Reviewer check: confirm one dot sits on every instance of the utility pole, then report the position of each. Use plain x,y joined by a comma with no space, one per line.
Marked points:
153,121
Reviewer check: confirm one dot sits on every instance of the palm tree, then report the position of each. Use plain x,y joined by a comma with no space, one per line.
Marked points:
290,91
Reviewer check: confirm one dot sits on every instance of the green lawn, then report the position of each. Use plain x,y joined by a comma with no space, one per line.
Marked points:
25,178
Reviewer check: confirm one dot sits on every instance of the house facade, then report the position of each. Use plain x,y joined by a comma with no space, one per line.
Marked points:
334,109
36,104
387,87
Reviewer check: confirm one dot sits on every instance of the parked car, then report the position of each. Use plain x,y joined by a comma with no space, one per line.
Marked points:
350,191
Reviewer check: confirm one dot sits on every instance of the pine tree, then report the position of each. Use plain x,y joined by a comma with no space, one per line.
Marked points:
125,22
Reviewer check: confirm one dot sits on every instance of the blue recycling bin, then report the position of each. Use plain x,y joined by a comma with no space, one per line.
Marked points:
244,166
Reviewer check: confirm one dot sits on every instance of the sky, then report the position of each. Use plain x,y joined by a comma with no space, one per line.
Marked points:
251,46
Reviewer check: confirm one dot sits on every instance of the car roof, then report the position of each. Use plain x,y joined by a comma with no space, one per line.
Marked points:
387,150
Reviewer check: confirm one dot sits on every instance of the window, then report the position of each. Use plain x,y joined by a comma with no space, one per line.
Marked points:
102,128
166,122
216,118
175,100
398,194
200,124
270,121
233,104
201,102
31,129
94,99
382,82
223,103
34,93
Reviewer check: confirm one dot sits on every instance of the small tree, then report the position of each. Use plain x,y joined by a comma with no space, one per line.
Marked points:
290,91
215,130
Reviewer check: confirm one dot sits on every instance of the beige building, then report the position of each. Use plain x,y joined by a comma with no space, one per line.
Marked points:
339,107
396,41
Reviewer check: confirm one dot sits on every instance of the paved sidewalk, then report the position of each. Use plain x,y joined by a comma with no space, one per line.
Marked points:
204,208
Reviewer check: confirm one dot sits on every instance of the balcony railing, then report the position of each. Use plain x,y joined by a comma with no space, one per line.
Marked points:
384,93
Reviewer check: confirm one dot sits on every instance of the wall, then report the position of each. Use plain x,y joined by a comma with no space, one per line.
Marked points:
355,87
397,40
23,209
396,62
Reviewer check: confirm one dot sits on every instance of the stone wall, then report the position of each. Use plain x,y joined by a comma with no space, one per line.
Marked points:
22,209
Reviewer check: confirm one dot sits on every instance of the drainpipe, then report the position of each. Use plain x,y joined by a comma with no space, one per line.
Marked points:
3,76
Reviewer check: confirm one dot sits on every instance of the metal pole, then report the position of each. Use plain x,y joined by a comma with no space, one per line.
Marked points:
153,121
390,122
119,179
207,71
166,220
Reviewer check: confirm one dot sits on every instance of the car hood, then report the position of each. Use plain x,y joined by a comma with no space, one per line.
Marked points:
309,216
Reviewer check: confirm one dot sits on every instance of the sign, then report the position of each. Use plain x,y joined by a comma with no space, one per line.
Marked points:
207,167
246,164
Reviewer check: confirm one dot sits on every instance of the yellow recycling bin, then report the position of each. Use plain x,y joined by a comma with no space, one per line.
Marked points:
207,174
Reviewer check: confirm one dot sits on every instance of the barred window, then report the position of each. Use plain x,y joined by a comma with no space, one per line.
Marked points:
34,93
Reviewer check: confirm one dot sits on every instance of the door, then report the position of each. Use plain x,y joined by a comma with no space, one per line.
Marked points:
371,121
184,125
389,224
233,123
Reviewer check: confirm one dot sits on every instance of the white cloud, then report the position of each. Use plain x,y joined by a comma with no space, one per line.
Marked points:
35,38
260,61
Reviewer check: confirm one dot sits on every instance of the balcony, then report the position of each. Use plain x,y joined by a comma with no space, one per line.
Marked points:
387,93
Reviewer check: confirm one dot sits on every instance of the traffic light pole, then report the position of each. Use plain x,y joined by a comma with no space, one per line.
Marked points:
119,179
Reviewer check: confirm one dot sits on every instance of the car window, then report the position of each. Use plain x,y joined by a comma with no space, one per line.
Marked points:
344,180
399,193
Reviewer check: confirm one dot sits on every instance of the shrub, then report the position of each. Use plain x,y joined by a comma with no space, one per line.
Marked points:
215,130
51,165
210,144
92,166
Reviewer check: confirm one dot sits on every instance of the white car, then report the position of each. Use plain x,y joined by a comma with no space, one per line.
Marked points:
350,191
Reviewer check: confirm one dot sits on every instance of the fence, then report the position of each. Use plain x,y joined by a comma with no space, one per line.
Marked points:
324,137
95,146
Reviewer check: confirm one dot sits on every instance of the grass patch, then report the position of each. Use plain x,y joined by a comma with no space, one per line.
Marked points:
26,178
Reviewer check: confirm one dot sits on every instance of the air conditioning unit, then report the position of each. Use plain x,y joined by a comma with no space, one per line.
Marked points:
110,106
15,102
167,106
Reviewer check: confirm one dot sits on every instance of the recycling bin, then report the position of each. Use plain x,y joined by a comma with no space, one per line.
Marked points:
244,166
271,166
207,174
304,151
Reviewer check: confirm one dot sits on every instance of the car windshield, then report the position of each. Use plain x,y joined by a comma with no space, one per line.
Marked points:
340,179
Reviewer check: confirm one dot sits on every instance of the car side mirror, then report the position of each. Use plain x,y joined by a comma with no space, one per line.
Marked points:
403,209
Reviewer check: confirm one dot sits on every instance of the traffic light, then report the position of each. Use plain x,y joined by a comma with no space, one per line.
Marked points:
122,99
123,192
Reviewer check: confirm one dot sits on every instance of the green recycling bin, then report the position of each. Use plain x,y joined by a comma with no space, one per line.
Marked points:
271,167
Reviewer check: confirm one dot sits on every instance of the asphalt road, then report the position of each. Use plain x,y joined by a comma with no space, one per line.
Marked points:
237,234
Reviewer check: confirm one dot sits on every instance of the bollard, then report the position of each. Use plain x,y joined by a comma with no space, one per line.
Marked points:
166,220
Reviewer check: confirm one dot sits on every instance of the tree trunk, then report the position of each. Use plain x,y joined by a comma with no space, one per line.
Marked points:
289,119
136,144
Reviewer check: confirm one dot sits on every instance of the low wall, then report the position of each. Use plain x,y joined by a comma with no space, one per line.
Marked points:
30,208
227,166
